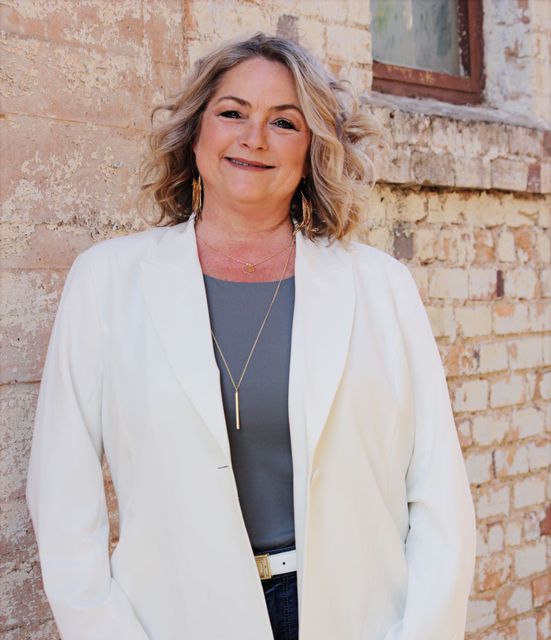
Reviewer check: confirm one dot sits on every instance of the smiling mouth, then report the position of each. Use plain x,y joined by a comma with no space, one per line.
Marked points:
252,165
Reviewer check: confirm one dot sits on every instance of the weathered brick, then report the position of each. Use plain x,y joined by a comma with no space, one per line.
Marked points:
515,389
424,241
496,537
455,247
530,559
410,208
531,524
490,429
493,571
545,280
526,352
445,207
482,284
511,460
474,320
484,246
520,283
519,212
513,533
545,385
448,283
539,454
524,243
460,359
512,600
484,210
526,628
543,622
528,492
481,543
511,317
541,590
540,315
545,177
492,357
506,251
481,613
433,168
493,501
473,173
464,432
526,422
331,10
471,395
348,43
398,167
509,174
542,246
410,128
442,321
525,141
479,467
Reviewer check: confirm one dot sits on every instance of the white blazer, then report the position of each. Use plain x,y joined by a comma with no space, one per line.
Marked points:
384,518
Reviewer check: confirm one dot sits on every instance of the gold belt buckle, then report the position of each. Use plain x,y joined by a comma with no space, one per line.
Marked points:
263,566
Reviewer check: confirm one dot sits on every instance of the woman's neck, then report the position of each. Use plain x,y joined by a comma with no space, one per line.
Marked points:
224,239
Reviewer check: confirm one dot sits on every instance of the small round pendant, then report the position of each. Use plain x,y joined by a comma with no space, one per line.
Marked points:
248,268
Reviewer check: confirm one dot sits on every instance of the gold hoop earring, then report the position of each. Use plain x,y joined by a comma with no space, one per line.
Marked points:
306,212
196,196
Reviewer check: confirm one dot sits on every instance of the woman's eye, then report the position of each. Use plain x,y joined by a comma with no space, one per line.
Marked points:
285,124
231,114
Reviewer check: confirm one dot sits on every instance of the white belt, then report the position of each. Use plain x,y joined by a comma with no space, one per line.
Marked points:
272,564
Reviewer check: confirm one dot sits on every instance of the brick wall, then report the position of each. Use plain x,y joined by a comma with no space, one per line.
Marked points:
464,201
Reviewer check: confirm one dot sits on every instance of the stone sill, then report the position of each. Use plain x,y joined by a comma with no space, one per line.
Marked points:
467,147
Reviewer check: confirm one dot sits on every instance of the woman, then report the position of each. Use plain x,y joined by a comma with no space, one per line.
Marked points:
268,394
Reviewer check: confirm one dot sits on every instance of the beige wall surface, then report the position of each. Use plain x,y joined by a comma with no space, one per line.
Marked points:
464,200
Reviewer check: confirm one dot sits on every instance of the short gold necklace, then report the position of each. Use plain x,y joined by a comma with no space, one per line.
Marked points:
248,267
236,386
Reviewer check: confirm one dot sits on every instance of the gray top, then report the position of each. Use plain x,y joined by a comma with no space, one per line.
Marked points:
261,448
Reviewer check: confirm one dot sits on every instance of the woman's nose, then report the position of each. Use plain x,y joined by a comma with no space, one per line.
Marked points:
253,136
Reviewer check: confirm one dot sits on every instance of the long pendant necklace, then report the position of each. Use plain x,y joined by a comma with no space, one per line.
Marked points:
238,384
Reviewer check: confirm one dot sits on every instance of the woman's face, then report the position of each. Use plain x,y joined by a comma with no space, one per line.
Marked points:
253,139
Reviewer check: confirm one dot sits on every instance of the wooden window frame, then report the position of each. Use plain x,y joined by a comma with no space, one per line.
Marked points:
421,83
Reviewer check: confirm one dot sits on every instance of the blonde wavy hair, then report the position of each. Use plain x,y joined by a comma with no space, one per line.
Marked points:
342,149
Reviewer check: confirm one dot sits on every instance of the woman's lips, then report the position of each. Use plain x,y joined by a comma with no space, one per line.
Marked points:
243,164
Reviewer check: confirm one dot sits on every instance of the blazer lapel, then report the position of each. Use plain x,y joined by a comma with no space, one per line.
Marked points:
325,299
324,309
175,297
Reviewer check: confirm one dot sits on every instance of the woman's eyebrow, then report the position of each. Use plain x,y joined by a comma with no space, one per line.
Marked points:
244,103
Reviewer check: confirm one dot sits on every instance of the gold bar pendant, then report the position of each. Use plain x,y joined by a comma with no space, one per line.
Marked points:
237,408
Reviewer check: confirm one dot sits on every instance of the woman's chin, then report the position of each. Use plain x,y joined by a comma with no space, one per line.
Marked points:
248,196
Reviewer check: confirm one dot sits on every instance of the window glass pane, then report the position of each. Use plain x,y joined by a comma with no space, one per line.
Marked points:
416,33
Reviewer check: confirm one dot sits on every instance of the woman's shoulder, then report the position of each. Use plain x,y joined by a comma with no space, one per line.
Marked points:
370,258
129,247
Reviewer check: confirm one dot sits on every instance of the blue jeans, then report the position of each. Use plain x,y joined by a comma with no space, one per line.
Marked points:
282,602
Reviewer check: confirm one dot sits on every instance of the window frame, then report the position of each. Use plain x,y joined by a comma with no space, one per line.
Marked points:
422,83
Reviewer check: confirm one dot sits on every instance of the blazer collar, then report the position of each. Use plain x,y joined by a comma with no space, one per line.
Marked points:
322,323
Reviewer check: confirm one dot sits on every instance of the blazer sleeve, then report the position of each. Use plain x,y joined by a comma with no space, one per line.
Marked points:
65,492
441,541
